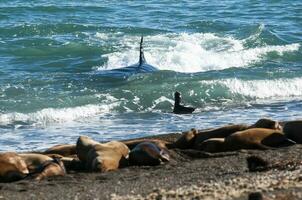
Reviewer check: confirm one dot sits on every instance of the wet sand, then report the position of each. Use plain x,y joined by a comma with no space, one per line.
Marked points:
189,175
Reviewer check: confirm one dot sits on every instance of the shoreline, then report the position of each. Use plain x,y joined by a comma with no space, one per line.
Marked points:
189,174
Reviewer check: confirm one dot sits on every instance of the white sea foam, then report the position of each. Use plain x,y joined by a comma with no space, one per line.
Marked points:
260,89
192,52
51,115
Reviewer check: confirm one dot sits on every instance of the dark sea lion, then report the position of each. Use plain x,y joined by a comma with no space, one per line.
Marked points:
73,164
148,153
180,109
132,143
186,140
267,123
83,146
293,130
254,138
12,167
41,166
62,149
102,157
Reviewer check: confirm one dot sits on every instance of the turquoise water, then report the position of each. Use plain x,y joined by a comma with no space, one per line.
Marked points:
236,61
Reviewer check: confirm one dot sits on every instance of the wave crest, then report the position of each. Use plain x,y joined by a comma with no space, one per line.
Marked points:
191,53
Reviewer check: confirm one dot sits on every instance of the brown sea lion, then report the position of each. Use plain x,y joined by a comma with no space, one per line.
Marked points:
41,166
225,131
102,157
186,140
12,167
193,138
293,130
221,132
51,168
148,153
62,149
254,138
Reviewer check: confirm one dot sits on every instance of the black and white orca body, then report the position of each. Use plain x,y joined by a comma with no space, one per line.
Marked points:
141,67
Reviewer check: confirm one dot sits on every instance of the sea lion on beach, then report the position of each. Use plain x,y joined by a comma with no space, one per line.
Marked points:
186,140
255,138
180,109
51,168
102,157
133,143
83,146
148,153
293,130
73,164
227,130
267,123
220,132
41,166
62,149
12,167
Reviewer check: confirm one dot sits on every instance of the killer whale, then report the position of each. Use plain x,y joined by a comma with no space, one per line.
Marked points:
141,67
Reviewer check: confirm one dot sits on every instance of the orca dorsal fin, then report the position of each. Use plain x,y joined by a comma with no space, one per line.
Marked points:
142,59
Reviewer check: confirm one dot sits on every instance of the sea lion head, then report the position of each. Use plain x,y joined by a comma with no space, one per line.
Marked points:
148,153
186,140
267,123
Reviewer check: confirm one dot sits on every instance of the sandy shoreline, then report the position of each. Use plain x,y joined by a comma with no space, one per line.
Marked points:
190,174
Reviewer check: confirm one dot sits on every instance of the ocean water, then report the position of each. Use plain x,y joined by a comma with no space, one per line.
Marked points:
236,61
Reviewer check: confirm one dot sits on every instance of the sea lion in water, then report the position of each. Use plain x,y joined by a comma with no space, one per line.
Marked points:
180,109
293,130
254,138
102,157
148,153
41,166
12,167
62,149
